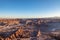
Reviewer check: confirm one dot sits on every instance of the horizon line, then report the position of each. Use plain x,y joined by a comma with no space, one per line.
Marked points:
27,17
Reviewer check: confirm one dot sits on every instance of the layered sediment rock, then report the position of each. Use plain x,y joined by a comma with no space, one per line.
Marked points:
13,29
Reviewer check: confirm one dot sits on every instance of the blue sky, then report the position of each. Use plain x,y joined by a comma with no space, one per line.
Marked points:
29,8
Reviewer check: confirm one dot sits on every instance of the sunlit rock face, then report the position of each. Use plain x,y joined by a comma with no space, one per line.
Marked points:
9,21
39,33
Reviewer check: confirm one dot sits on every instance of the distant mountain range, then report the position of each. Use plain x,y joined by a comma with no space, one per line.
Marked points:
55,17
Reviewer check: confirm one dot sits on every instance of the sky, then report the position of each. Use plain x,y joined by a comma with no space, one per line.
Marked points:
29,8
